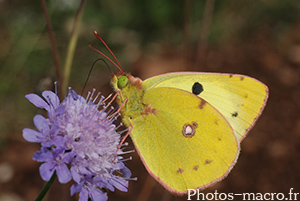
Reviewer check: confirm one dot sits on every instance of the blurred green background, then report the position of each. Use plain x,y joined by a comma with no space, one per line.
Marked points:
257,38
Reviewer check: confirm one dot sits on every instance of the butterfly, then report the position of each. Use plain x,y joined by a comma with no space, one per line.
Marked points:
187,126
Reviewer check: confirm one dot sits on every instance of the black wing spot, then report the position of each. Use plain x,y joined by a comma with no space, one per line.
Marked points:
197,88
235,114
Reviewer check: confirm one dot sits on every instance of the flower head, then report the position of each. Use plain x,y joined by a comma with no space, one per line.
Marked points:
79,142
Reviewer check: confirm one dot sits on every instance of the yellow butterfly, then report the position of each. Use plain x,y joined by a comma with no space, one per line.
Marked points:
187,126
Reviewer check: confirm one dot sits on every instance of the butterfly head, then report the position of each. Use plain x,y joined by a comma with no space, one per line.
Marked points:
119,81
122,81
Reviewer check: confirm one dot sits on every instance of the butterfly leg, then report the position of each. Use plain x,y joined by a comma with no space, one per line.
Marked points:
113,98
124,138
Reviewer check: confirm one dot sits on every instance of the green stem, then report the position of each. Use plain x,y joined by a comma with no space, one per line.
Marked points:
72,46
46,187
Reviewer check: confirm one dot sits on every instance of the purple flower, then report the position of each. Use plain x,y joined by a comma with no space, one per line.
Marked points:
56,159
86,189
79,142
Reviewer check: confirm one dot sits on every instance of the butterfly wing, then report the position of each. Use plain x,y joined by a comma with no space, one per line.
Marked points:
240,99
183,141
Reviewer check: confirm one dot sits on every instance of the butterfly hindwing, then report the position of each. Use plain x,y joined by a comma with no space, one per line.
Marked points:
184,142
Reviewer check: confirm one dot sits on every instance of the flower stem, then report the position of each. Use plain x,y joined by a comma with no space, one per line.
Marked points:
54,49
72,45
46,187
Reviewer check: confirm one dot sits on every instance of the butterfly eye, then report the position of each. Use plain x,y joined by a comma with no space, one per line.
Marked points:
122,81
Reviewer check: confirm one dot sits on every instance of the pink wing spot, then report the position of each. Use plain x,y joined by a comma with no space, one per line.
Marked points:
202,104
196,167
189,130
195,124
207,161
149,110
180,170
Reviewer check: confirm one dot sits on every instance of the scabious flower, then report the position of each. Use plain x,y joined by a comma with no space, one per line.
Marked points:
79,142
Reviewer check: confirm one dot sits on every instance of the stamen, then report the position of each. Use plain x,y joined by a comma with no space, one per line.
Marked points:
119,126
114,118
101,102
110,110
55,87
92,95
132,179
126,159
96,97
88,96
125,144
126,152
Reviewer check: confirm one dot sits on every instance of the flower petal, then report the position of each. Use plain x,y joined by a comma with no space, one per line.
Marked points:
43,155
75,188
37,101
46,171
58,141
119,183
83,195
126,172
76,176
68,156
63,173
98,195
73,94
31,135
51,97
41,123
102,182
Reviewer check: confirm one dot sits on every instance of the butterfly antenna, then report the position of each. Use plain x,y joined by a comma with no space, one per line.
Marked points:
90,72
118,65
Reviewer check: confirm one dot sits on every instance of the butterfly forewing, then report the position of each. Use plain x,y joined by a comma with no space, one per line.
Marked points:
240,99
